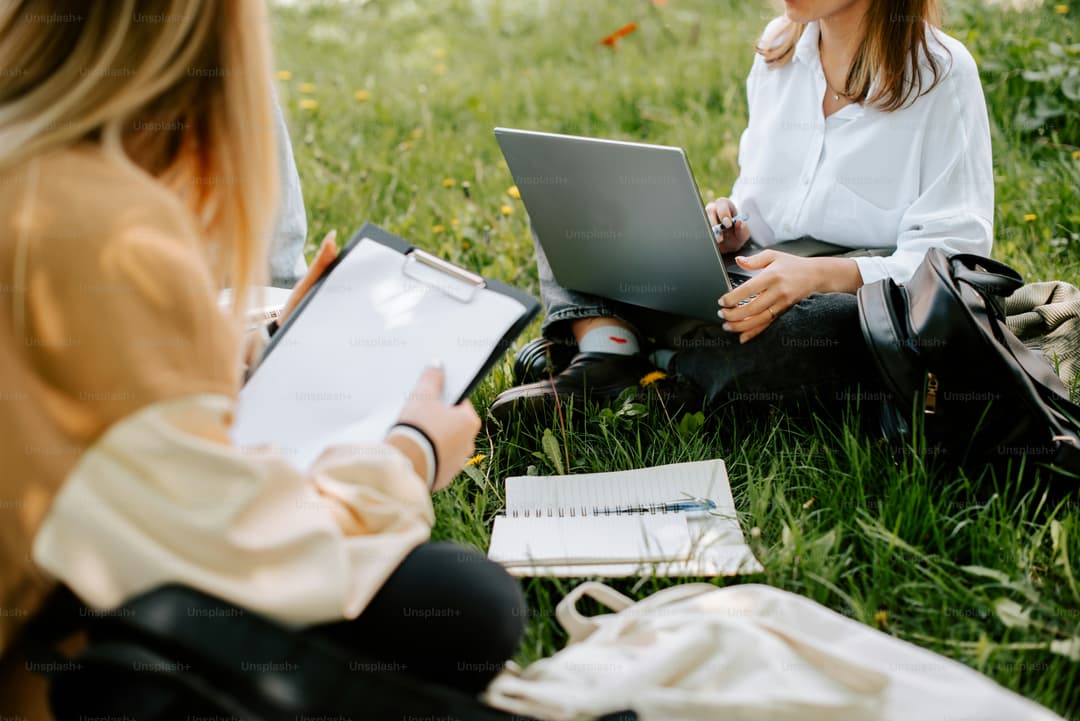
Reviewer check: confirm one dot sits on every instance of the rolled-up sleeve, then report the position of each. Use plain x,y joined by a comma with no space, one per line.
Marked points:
164,497
955,206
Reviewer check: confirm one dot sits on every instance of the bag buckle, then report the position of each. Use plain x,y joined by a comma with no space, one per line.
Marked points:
930,404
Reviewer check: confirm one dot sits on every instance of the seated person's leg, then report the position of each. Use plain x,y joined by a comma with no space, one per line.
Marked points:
609,356
447,615
812,352
287,264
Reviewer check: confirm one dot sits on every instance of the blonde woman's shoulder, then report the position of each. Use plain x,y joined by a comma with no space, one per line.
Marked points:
952,55
78,200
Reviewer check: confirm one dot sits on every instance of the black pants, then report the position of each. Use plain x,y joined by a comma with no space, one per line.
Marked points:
446,615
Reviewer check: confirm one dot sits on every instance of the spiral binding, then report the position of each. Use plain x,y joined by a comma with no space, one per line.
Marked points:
586,511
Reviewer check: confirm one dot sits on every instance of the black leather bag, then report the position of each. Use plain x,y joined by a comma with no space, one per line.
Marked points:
950,364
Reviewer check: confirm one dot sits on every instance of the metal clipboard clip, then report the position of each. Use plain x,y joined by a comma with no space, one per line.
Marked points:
444,276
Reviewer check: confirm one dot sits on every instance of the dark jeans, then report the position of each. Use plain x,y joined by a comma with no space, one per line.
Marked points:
447,615
812,352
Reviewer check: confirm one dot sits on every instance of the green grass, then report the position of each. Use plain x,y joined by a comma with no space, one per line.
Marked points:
925,555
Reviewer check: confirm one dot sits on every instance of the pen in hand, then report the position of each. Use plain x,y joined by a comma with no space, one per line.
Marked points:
720,227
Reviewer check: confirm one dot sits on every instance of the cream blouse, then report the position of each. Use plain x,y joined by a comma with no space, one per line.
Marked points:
118,376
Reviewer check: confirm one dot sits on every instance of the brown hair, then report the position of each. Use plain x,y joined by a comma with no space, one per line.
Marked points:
894,42
180,88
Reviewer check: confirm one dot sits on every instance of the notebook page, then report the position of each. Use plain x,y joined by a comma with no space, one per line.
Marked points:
618,539
582,494
345,368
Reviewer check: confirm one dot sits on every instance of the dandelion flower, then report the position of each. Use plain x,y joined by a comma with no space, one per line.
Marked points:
307,88
506,210
440,69
881,617
440,228
448,182
362,95
284,75
1030,217
309,104
455,222
513,192
417,133
1076,155
475,460
1061,9
651,378
439,53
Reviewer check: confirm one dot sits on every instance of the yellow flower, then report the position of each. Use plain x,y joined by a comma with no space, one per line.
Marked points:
309,104
283,75
417,133
439,53
440,228
506,210
651,378
362,95
440,69
1030,217
307,88
1076,155
1061,9
455,222
881,617
475,460
513,192
448,182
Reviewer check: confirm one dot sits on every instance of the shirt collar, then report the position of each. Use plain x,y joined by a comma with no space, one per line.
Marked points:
806,49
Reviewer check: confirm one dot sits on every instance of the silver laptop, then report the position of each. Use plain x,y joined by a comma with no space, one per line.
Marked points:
619,220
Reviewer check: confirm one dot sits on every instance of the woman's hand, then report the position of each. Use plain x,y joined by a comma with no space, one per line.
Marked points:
452,429
784,280
720,212
327,254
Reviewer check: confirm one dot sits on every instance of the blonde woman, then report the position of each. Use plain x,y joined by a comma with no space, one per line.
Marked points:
136,179
868,130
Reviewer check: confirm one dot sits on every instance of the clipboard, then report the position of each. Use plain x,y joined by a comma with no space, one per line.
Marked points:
342,364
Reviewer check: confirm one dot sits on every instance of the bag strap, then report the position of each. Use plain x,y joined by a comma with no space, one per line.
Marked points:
985,275
577,625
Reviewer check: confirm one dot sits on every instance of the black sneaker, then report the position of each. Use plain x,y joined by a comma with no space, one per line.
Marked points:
597,377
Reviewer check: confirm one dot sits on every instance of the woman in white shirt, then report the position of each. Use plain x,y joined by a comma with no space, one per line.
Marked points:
867,129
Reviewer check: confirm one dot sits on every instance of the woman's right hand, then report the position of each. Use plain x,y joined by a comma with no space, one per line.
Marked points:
452,429
734,237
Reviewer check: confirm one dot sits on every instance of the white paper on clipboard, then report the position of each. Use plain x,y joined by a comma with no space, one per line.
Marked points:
348,363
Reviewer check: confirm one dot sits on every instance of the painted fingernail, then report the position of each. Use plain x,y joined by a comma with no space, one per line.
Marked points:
727,327
720,313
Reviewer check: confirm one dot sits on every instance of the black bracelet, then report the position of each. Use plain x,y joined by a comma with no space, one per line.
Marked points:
434,449
272,327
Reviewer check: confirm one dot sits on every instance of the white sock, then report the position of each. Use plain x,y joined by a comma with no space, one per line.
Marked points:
661,358
609,339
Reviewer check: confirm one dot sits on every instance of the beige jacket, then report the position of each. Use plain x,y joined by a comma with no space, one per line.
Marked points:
118,376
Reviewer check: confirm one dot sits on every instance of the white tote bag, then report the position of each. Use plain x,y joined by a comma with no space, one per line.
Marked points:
744,653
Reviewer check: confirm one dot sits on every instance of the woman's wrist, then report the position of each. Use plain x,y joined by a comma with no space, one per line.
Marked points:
838,275
415,444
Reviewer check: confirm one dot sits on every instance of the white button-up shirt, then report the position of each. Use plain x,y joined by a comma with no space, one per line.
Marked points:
911,179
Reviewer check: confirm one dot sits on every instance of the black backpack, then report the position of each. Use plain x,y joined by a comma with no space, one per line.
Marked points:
950,365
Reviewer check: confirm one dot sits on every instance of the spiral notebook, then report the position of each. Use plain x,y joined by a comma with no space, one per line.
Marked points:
672,520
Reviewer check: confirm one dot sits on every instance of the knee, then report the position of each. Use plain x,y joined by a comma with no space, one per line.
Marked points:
482,591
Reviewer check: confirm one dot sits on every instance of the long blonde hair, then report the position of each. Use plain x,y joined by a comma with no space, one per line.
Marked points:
181,88
893,46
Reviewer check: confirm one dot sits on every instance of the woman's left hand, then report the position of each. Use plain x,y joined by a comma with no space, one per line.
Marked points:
327,253
784,280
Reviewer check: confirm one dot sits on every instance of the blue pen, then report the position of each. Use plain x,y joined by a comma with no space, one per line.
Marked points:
692,505
719,227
